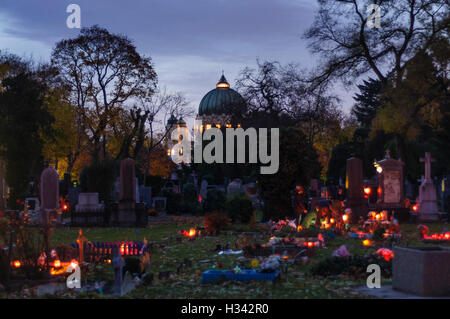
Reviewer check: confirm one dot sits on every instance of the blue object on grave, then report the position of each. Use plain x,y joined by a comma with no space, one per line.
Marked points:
243,275
330,235
359,236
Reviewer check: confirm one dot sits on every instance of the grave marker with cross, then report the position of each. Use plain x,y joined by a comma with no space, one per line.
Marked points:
427,160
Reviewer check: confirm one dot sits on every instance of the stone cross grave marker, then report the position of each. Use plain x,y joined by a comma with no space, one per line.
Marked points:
428,208
427,160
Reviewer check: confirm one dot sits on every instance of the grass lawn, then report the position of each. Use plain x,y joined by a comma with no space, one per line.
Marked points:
299,283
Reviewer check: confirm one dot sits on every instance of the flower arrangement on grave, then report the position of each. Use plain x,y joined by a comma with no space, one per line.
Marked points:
377,227
152,212
333,217
385,253
283,225
341,252
441,237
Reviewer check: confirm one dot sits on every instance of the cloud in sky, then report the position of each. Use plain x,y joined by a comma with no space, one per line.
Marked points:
191,42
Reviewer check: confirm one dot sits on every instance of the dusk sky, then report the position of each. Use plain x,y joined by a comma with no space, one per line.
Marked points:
191,42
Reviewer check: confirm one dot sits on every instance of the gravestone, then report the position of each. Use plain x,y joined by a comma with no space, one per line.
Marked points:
314,186
391,184
2,187
235,187
117,263
88,202
127,196
116,190
203,190
355,191
137,191
74,193
428,207
49,190
423,271
146,195
88,211
409,189
159,204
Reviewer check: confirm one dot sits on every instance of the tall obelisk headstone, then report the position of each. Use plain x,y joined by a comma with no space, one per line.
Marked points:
127,194
428,208
355,189
49,191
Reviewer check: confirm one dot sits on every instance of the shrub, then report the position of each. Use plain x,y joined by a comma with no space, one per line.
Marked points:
355,266
192,208
173,202
239,208
215,222
29,244
99,178
215,200
190,204
190,193
155,181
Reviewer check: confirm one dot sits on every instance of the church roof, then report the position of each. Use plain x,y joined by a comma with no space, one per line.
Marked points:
221,100
172,120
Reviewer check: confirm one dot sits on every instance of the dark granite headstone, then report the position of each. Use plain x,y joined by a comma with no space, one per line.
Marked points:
49,189
355,189
423,271
127,197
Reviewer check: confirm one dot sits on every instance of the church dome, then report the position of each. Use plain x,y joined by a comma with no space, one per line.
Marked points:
172,120
221,100
181,122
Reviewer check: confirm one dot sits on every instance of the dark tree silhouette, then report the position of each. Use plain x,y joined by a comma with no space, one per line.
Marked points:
349,48
102,72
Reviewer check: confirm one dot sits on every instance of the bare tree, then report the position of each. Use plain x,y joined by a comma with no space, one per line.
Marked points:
288,98
349,48
160,108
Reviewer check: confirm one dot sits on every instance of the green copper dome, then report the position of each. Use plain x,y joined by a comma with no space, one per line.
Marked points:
221,100
172,120
181,122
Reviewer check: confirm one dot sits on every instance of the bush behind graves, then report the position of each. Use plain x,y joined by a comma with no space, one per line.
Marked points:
190,204
156,183
173,202
297,165
99,178
239,208
215,200
215,222
191,208
29,245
